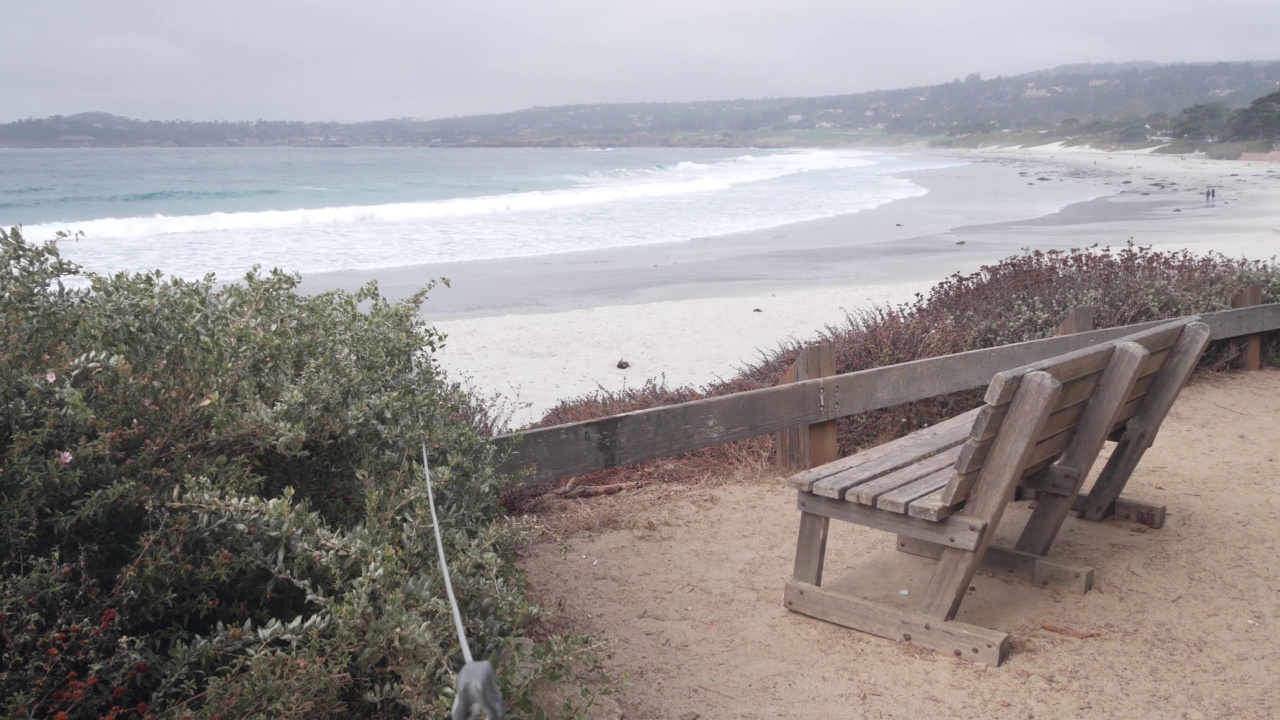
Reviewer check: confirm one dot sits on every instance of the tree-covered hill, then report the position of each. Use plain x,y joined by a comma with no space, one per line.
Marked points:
1034,101
1259,121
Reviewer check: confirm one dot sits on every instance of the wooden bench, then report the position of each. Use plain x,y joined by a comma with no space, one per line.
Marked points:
943,489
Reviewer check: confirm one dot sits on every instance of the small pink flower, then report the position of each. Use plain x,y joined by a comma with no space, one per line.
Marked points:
50,376
64,457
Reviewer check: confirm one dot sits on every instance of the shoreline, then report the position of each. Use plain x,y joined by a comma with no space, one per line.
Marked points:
865,246
542,330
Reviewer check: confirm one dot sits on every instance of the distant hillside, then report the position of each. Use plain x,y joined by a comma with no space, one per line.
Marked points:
1136,92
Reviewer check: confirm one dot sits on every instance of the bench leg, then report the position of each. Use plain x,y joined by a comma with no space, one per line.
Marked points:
811,548
992,491
1115,475
1145,424
949,582
947,636
1116,384
1043,525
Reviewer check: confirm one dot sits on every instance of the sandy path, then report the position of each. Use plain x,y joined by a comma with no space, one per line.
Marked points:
1188,616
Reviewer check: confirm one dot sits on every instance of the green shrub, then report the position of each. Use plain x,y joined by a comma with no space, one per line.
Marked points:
210,505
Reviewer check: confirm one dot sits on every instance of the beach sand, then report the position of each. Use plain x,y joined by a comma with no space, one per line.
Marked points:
542,330
535,361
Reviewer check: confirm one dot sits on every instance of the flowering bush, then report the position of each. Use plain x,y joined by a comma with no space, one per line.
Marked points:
210,507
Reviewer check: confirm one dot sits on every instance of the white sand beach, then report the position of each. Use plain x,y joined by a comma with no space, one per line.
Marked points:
538,360
702,325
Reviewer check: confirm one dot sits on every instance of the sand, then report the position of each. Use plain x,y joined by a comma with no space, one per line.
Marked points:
1187,618
536,361
692,320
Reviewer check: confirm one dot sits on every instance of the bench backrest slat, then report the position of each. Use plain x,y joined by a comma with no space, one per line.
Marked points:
1079,372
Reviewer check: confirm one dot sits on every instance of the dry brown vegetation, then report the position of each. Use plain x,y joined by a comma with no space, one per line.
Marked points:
1020,298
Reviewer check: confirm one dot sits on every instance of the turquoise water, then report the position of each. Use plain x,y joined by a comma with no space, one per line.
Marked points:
223,210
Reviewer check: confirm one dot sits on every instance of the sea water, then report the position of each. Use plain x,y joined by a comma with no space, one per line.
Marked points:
192,211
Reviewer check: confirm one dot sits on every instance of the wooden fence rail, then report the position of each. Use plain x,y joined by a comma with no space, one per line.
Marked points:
576,448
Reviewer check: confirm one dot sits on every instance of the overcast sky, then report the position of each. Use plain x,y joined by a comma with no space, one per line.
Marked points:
371,59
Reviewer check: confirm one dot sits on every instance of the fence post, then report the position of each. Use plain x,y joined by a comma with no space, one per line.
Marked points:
806,446
1080,320
1248,297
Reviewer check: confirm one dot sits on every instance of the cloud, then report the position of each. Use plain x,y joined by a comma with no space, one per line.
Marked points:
290,59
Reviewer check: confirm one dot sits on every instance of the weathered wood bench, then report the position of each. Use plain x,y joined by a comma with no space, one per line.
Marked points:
943,489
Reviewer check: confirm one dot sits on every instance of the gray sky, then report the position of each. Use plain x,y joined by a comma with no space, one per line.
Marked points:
371,59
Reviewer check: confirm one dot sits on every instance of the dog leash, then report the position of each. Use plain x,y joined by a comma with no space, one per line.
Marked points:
477,691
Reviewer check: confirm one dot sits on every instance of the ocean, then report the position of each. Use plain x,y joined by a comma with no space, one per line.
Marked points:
192,211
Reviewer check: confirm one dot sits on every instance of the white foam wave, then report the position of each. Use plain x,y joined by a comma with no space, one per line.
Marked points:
663,204
629,184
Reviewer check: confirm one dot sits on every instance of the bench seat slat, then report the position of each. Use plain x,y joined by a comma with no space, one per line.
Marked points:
897,500
838,486
944,435
868,492
834,479
930,507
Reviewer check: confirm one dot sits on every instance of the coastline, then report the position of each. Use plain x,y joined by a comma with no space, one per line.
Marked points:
863,248
541,330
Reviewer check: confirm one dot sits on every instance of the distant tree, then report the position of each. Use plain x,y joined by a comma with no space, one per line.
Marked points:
1199,121
1099,126
970,128
1132,133
1158,121
1259,121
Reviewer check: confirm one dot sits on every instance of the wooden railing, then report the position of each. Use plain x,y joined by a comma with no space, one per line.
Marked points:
576,448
